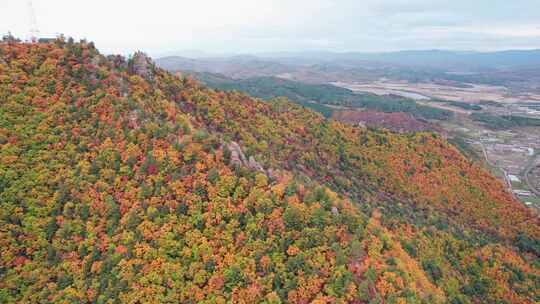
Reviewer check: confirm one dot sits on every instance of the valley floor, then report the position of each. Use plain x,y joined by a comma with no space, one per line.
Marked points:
425,91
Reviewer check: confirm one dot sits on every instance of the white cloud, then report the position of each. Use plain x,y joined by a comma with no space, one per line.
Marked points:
269,25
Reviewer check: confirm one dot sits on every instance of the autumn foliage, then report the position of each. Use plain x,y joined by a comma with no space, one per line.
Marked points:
120,182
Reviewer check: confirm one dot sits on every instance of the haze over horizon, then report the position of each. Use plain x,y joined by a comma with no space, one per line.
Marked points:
241,26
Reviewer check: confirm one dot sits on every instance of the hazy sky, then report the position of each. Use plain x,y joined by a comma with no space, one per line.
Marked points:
244,26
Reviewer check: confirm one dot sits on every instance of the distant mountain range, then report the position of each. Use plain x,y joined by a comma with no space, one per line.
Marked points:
235,66
423,58
427,58
516,69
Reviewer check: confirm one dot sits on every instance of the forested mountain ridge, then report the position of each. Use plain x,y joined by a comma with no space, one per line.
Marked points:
320,97
121,182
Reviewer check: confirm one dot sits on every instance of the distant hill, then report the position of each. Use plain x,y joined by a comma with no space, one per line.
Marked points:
519,70
235,67
320,97
423,58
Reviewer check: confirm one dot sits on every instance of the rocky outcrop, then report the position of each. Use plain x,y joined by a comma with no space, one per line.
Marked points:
140,64
254,165
133,121
238,158
117,61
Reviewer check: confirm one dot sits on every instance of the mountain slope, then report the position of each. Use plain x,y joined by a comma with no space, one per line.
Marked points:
122,182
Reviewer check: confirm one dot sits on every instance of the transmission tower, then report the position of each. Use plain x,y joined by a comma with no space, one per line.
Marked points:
34,31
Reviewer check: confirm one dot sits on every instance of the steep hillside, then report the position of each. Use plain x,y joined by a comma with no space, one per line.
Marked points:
120,182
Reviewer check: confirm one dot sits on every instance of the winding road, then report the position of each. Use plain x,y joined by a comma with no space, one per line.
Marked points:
506,178
532,164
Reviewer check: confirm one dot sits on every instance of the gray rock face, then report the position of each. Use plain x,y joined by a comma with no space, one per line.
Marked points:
134,119
238,158
254,165
118,61
142,65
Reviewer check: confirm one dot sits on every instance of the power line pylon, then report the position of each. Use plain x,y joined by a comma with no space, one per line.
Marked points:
34,31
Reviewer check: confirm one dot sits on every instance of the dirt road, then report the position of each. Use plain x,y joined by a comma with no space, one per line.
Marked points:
533,164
